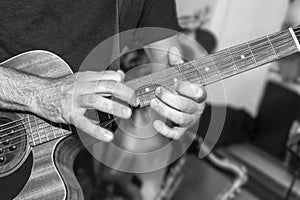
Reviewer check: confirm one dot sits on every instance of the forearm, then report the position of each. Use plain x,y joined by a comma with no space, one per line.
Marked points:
17,89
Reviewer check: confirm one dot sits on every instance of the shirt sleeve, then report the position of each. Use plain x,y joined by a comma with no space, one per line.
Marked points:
159,13
158,21
148,21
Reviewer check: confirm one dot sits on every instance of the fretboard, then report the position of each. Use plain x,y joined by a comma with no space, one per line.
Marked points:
40,132
220,65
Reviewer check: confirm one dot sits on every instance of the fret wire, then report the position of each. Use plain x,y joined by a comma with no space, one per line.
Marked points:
38,122
61,130
273,47
52,128
200,75
37,128
46,133
30,129
41,127
252,53
233,60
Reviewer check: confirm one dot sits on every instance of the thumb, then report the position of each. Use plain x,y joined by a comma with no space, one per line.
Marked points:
175,57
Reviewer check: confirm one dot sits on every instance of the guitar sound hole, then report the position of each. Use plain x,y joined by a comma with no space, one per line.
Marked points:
13,142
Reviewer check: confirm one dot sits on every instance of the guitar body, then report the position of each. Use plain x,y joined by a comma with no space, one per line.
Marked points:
43,171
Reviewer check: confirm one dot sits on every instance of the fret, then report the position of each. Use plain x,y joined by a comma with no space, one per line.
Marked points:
209,71
37,129
283,43
231,56
197,73
30,130
262,50
191,73
242,57
45,131
52,129
49,131
61,130
224,63
252,54
42,131
272,47
34,131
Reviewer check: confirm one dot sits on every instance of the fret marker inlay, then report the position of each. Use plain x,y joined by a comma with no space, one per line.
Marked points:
207,69
243,57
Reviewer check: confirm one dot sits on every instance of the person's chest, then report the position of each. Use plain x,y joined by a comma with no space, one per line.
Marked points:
68,28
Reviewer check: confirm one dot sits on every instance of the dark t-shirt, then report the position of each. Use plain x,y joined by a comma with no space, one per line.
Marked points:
72,28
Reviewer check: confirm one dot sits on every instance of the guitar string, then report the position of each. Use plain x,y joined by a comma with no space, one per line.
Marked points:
26,134
40,137
21,124
173,72
259,46
190,63
11,122
22,141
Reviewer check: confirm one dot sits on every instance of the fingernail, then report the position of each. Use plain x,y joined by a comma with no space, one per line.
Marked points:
122,75
153,103
157,125
158,91
199,93
126,111
137,101
108,136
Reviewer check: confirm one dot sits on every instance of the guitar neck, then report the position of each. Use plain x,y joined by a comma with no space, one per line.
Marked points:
221,65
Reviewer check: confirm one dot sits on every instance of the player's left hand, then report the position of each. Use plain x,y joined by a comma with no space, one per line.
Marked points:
183,106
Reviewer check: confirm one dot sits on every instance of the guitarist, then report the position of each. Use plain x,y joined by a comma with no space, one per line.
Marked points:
72,29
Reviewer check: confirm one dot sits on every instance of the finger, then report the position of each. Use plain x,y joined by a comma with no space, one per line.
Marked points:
94,101
90,76
173,133
122,75
191,90
92,129
176,101
172,114
118,90
175,57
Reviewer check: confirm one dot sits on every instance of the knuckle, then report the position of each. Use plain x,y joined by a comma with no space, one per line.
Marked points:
92,99
103,105
110,85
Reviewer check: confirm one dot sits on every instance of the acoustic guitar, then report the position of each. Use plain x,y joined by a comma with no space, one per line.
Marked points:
36,156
